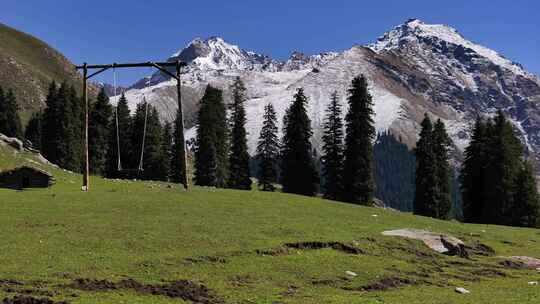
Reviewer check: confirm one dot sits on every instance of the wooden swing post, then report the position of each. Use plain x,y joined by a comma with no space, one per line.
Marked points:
162,66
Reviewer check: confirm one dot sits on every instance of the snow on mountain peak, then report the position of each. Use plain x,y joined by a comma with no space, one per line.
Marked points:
414,30
215,53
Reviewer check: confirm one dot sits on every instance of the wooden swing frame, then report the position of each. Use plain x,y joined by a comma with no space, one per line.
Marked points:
161,66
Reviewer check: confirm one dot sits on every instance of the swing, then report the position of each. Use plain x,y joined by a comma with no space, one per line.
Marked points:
129,173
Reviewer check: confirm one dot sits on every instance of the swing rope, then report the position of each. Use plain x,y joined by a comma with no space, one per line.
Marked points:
118,151
141,168
119,164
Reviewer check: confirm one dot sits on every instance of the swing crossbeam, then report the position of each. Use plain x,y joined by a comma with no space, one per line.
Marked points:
162,66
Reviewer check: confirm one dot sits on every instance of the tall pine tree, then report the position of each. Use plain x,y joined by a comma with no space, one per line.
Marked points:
239,175
333,150
51,127
297,166
498,185
99,133
268,150
359,184
505,152
526,209
472,173
166,146
211,148
73,130
33,130
177,172
426,192
10,122
443,171
120,138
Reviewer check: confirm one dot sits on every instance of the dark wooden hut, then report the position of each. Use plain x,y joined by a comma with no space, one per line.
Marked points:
25,177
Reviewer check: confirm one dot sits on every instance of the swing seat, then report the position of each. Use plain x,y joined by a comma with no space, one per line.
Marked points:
130,173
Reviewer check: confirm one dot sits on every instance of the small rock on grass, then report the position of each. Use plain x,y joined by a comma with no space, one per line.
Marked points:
350,273
462,290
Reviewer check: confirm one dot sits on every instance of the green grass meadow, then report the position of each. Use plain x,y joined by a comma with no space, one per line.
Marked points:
231,241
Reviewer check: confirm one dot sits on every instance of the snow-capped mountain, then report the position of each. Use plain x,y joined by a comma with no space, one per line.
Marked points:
412,69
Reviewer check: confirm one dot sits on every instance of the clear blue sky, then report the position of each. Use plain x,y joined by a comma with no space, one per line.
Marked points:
118,30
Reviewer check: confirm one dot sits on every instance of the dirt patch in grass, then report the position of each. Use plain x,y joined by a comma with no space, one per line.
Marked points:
513,264
285,249
183,289
388,283
206,259
321,245
30,300
481,250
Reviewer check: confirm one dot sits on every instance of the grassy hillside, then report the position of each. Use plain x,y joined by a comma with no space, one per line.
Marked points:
154,243
28,65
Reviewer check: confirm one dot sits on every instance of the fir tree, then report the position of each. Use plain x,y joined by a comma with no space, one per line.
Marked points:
3,110
426,192
72,130
297,167
211,148
156,163
239,175
359,185
33,131
120,139
333,150
99,133
10,122
268,150
443,171
498,186
472,173
177,173
167,144
51,135
526,209
505,152
394,172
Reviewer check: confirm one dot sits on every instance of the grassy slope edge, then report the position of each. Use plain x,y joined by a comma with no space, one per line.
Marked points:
232,241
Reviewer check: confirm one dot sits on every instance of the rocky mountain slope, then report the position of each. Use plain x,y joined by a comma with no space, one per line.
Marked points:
412,69
28,65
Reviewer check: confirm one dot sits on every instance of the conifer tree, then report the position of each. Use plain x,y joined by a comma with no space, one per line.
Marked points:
333,150
426,192
395,167
359,184
51,135
505,152
72,130
443,171
3,110
473,173
211,148
167,144
526,209
33,130
120,139
297,166
155,157
99,133
177,172
239,175
10,122
268,150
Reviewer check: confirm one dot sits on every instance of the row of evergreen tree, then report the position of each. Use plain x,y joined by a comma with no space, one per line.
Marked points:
498,183
221,159
58,133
